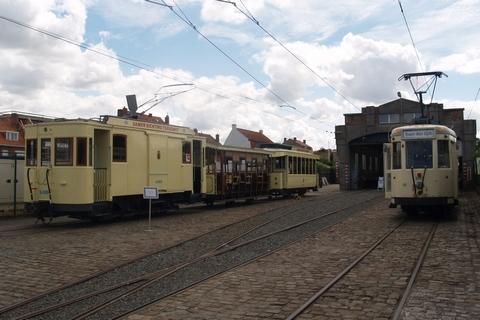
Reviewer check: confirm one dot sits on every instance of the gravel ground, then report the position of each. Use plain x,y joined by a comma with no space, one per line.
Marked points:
211,266
183,252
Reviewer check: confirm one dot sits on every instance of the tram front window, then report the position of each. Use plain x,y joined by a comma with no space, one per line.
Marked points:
419,154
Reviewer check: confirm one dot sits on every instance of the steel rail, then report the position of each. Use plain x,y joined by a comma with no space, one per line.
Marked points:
143,278
339,276
415,272
212,253
327,287
230,269
120,265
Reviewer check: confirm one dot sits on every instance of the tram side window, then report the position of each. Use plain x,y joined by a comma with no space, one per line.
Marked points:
419,154
119,148
90,151
443,154
64,151
279,163
32,152
45,152
81,151
397,155
186,152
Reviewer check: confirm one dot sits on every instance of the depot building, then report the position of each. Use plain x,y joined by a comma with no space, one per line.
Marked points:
360,141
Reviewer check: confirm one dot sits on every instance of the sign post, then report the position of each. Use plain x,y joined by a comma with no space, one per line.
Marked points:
150,193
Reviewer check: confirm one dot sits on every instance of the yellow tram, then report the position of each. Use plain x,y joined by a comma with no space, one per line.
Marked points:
421,167
94,168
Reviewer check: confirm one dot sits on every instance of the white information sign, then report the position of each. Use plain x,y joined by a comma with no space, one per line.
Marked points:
150,193
380,183
418,134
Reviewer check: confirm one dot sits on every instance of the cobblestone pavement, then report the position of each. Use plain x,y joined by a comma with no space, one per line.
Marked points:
35,260
448,286
276,285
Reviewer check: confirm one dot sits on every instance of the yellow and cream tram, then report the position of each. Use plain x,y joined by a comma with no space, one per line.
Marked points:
421,167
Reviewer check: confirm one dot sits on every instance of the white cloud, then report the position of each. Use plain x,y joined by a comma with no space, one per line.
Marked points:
467,62
362,69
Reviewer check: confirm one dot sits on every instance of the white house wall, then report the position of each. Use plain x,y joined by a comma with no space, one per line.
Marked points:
236,139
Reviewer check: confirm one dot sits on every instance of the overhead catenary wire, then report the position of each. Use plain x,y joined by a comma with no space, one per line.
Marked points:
136,64
150,69
182,16
474,100
250,16
411,37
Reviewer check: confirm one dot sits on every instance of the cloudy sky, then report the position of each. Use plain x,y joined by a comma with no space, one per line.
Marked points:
358,47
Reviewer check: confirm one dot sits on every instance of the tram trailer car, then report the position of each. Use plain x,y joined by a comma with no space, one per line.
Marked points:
421,167
293,172
235,173
87,168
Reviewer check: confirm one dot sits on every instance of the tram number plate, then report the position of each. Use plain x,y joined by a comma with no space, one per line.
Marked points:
418,134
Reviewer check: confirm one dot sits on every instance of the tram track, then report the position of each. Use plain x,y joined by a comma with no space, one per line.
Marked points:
346,271
108,296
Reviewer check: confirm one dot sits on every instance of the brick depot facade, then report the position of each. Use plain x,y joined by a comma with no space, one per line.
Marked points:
360,140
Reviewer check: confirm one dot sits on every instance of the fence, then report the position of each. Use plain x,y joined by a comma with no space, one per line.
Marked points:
11,185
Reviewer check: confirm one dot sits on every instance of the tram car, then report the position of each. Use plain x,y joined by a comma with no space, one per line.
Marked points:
293,172
88,169
421,167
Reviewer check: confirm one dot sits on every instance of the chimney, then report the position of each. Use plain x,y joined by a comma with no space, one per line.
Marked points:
150,115
234,126
195,130
304,141
167,119
294,138
261,131
217,137
122,112
284,140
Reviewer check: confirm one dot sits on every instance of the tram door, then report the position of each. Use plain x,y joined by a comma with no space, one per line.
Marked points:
101,165
197,166
387,167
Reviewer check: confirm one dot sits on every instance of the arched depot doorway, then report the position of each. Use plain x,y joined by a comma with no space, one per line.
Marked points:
366,160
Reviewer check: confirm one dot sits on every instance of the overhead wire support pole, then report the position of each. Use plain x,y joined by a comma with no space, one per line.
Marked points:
254,20
187,21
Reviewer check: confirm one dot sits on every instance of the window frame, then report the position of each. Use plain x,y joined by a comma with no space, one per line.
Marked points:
29,160
117,159
394,164
85,151
389,119
447,154
71,147
408,145
186,157
42,164
12,135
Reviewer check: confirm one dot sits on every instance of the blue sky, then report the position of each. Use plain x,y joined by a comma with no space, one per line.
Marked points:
359,47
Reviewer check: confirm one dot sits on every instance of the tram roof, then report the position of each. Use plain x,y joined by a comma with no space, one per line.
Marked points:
439,129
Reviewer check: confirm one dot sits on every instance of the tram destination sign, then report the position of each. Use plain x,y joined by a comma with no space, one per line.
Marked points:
414,134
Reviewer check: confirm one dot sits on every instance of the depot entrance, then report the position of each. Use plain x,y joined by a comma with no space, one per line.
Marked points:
366,160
